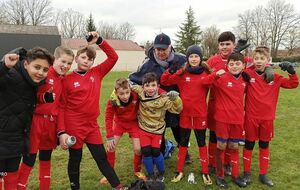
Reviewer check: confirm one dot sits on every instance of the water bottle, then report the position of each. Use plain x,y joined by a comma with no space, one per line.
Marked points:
70,141
191,178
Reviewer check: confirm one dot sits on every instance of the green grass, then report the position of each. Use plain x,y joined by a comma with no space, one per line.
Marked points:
284,163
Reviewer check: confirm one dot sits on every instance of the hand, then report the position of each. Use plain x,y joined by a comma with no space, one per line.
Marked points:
269,75
287,66
241,45
49,96
10,60
179,72
111,144
22,52
92,39
245,76
220,72
173,95
62,141
174,66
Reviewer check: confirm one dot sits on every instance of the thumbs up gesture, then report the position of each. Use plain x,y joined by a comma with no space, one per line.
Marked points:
49,96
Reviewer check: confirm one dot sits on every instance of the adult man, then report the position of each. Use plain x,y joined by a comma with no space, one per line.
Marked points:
162,56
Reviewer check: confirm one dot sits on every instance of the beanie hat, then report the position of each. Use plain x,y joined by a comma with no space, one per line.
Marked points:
162,41
194,49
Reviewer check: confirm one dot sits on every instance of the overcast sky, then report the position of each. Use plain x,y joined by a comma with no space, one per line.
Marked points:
150,17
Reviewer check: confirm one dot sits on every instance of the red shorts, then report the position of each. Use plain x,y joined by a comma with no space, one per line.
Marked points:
149,139
193,123
132,130
257,129
229,132
85,132
42,133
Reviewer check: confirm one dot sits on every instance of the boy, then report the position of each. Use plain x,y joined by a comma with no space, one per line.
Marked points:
19,80
229,88
151,115
121,117
43,128
259,123
79,109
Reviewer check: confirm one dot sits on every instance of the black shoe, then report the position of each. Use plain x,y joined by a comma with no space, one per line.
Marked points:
247,177
188,159
221,182
160,177
240,182
227,169
211,169
263,178
150,178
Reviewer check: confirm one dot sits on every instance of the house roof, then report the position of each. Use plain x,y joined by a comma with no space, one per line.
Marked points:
126,45
28,29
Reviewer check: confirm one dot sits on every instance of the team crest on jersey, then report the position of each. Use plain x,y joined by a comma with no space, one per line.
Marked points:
252,80
229,84
244,84
271,83
51,81
134,101
203,123
187,79
92,78
76,84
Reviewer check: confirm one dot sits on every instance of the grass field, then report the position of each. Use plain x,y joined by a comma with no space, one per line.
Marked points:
284,164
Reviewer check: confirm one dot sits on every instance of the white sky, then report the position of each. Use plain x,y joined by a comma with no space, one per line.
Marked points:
150,17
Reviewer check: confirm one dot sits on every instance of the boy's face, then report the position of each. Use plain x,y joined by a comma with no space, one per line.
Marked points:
235,67
63,64
226,48
84,63
123,94
37,69
150,88
260,61
194,60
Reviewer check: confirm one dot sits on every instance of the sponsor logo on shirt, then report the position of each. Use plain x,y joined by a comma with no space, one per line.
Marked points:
92,78
187,79
51,81
271,83
76,84
252,80
203,123
229,84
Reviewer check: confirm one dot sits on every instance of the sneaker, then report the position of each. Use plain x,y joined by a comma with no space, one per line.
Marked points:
150,178
103,181
227,169
221,182
140,175
188,159
211,169
206,179
240,182
178,177
247,177
121,188
160,177
263,178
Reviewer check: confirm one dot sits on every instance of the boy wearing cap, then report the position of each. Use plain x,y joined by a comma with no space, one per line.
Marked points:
192,117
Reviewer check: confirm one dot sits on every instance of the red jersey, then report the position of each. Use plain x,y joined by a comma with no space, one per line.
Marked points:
81,94
53,80
192,92
121,116
262,97
229,93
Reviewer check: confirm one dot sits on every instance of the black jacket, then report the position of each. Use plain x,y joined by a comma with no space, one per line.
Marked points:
17,102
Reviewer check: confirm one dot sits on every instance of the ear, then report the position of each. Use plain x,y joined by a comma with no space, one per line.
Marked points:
26,64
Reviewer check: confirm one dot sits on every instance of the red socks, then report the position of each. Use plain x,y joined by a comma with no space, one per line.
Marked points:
23,174
44,175
264,160
212,153
234,161
181,158
203,159
220,162
10,181
247,158
137,163
111,158
227,158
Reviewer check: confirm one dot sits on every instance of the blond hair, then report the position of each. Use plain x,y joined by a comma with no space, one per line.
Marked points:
264,50
62,50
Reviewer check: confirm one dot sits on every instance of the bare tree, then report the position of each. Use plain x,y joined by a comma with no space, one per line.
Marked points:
210,40
3,19
126,31
15,12
245,25
71,24
39,11
292,40
261,31
281,17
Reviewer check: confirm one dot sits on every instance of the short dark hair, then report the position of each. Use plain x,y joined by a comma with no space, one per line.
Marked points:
226,36
236,57
149,77
90,52
39,53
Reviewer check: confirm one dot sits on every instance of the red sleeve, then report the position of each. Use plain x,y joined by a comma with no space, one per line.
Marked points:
109,119
168,79
110,61
210,79
61,110
42,90
291,82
